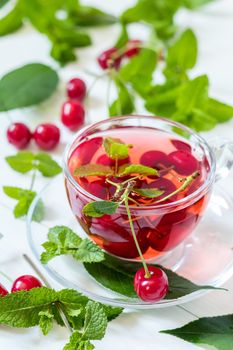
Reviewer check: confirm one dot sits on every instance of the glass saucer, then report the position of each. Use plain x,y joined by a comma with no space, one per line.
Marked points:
206,257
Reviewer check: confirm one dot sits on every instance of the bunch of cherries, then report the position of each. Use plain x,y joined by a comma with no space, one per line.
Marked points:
25,282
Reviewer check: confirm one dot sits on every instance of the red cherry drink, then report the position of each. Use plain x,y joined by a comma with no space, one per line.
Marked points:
159,227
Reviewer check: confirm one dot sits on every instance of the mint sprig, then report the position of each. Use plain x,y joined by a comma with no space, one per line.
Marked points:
63,241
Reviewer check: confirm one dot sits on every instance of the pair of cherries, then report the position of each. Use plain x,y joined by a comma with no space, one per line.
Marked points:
46,136
25,282
112,57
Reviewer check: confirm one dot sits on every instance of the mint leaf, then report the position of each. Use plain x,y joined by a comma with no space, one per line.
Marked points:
87,16
124,104
148,192
194,94
136,169
32,84
46,165
99,208
139,70
95,322
89,252
115,148
3,2
63,241
215,331
193,4
22,309
93,170
181,56
123,38
114,275
220,111
46,321
76,343
21,162
25,199
25,161
11,22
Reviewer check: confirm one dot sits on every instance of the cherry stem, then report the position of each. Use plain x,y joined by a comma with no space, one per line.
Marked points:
33,180
6,276
185,184
126,200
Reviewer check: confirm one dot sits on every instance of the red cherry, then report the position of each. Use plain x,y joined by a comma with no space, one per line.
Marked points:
19,135
72,115
154,159
110,59
3,291
133,48
181,145
151,289
47,136
184,162
99,189
171,229
76,89
105,160
117,236
25,282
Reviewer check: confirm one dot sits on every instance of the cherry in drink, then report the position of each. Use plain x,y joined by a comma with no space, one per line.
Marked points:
160,223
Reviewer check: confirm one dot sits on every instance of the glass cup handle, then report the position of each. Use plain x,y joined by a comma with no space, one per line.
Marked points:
223,150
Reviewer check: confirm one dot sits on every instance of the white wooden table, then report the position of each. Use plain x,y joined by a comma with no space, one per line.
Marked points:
135,330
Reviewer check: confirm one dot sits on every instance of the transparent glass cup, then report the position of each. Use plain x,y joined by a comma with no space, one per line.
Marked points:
161,227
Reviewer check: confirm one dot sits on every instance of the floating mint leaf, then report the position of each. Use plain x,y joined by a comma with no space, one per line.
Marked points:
148,192
137,169
215,331
93,170
124,104
22,162
24,198
46,321
99,208
32,84
95,322
63,241
46,165
117,276
181,56
115,148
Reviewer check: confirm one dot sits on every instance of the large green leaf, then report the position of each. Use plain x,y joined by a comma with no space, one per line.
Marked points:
27,86
11,22
215,331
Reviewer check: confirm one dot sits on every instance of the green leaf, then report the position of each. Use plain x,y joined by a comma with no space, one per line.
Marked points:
22,309
76,343
46,165
112,312
63,53
124,104
63,241
32,84
215,331
11,22
193,4
89,252
181,56
117,276
86,16
139,70
93,170
148,192
136,169
46,321
123,38
99,208
95,323
24,198
21,162
3,2
194,94
219,110
115,148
